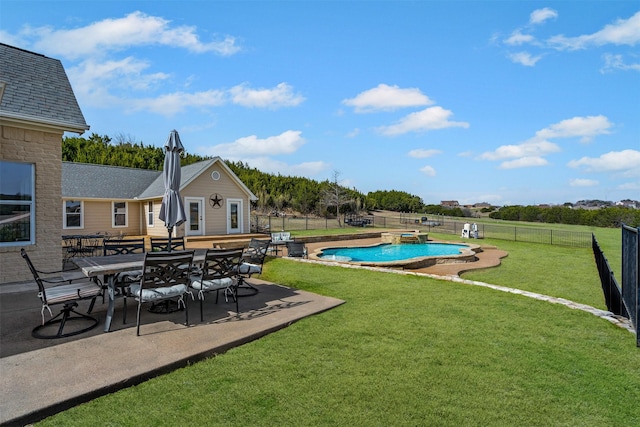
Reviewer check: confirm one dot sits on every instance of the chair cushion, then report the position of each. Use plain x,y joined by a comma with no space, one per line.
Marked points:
209,285
62,293
155,294
248,268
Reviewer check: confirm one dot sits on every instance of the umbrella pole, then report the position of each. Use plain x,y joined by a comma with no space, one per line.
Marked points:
169,244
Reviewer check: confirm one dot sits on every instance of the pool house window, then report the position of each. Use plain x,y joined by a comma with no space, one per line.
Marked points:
119,210
73,214
17,203
150,214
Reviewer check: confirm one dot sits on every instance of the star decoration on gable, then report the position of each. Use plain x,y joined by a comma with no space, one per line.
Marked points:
215,201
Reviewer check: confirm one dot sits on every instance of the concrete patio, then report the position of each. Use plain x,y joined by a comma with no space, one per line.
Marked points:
43,377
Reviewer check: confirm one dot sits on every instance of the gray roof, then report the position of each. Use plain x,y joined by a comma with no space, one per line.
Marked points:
187,173
84,180
36,89
91,181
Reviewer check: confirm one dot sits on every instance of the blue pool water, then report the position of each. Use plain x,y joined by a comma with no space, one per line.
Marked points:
389,252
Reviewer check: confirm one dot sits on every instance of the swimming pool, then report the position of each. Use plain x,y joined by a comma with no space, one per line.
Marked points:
400,255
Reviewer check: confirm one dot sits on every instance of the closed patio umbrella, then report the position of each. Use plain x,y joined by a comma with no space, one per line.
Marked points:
172,209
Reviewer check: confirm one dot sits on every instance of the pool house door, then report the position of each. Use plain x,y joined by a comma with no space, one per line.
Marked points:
195,216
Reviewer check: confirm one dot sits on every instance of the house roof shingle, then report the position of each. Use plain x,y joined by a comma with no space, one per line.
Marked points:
36,89
91,181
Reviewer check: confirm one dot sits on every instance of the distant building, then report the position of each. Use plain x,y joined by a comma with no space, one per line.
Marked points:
634,204
450,203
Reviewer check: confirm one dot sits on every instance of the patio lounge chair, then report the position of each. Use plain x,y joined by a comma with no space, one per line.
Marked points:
296,249
218,273
67,292
165,277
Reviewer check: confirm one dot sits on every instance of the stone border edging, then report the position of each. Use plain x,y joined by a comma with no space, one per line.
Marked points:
618,321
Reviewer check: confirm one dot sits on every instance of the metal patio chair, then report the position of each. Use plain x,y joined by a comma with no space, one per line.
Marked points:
252,262
67,292
165,277
123,280
162,244
219,272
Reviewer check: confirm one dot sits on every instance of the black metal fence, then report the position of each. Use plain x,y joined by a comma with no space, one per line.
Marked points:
265,224
610,288
625,300
630,281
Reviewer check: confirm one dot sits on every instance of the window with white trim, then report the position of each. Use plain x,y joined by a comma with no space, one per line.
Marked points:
150,214
73,214
17,203
120,217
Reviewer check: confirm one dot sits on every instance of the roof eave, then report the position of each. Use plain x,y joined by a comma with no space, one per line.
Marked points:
47,125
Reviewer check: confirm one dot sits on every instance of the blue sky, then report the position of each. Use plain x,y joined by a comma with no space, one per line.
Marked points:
506,102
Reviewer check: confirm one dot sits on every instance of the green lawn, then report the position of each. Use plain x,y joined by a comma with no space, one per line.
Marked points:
407,351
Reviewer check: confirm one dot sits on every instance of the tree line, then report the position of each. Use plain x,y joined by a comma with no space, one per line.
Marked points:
612,216
278,194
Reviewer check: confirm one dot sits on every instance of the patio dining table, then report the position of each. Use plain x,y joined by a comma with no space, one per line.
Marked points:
109,266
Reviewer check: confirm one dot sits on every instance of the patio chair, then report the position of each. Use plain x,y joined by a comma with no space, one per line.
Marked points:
165,277
124,279
219,272
67,292
296,249
252,260
274,247
162,244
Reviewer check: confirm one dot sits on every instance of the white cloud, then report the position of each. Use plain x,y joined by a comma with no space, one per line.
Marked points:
539,16
11,39
428,170
268,165
584,127
622,32
423,154
625,161
355,132
280,96
629,186
432,118
251,146
617,62
578,182
517,38
524,58
91,79
524,162
177,102
135,29
387,98
530,150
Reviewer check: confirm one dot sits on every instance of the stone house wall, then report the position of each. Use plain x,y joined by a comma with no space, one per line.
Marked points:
44,149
